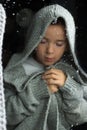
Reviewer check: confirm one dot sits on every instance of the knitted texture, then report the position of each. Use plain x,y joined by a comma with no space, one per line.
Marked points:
29,102
37,29
2,101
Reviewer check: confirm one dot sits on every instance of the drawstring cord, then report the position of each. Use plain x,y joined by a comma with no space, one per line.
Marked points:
52,114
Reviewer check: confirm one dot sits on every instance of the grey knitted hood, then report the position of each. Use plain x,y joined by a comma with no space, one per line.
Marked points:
36,31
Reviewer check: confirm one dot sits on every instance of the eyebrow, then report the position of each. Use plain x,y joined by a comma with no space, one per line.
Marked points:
45,38
63,40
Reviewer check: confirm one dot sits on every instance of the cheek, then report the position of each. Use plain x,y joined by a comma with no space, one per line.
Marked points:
39,53
40,49
60,52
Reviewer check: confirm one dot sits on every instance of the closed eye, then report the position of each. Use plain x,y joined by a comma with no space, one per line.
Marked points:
60,43
43,41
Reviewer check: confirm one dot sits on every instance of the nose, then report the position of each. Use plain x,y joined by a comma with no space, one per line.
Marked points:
50,48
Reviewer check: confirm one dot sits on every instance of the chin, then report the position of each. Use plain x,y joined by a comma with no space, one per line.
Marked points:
48,64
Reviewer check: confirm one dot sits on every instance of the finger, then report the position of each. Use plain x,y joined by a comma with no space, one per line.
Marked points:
53,88
52,82
58,83
50,76
53,71
49,71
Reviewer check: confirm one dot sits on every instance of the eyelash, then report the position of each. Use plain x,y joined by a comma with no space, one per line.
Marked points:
43,41
60,43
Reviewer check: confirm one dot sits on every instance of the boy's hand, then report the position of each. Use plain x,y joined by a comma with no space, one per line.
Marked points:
54,78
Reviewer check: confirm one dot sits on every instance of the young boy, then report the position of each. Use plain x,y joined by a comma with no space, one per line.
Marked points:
43,92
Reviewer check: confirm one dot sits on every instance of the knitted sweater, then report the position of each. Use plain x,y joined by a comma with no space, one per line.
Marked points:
2,100
31,106
29,103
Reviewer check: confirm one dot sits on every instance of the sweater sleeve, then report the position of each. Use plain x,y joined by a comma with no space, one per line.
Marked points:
14,106
22,104
74,104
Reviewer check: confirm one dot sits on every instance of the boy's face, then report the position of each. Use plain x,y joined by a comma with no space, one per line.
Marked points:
52,46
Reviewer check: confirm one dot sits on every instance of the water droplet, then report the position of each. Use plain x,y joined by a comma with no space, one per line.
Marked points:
17,31
14,2
72,125
77,71
76,27
65,1
77,124
13,14
72,77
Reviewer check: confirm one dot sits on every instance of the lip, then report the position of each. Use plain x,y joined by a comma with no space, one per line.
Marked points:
49,59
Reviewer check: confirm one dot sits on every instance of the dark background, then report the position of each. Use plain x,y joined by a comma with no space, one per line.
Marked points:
15,35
